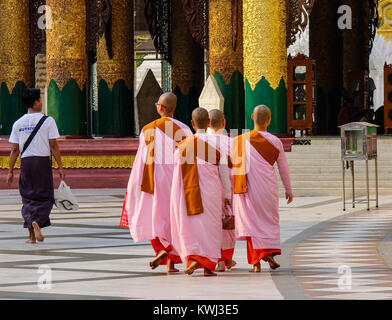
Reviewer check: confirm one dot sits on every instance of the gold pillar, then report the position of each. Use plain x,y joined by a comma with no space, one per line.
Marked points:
265,41
122,64
16,69
67,66
385,13
265,59
226,60
115,76
66,55
187,67
222,57
15,63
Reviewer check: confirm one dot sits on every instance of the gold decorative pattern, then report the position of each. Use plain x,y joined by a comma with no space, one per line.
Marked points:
122,64
222,57
84,162
187,56
66,43
385,12
15,63
265,41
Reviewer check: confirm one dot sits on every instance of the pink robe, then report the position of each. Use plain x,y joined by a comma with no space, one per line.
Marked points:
149,214
223,143
198,235
256,212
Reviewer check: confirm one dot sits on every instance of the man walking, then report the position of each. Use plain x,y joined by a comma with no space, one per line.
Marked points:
34,137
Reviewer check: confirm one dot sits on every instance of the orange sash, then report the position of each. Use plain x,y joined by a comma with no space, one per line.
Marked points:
189,149
265,148
176,134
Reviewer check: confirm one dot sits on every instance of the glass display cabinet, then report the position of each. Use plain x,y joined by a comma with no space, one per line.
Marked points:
301,94
358,142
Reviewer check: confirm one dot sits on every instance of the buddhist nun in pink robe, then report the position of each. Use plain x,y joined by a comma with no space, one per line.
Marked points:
255,198
200,177
147,203
223,144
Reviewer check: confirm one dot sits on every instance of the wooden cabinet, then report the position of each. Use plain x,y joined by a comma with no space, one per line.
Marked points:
301,94
388,98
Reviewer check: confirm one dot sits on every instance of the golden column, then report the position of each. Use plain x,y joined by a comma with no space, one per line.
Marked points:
67,66
16,70
226,57
187,67
265,60
385,13
115,75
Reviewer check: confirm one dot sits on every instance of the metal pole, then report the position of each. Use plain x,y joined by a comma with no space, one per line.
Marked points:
367,184
376,166
344,188
353,181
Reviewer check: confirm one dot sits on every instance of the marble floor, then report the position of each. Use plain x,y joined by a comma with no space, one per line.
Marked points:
86,255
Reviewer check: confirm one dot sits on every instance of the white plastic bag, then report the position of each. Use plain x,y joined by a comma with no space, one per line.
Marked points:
65,201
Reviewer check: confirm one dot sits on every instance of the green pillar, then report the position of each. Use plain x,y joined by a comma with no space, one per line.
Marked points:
226,58
16,70
116,74
67,67
265,60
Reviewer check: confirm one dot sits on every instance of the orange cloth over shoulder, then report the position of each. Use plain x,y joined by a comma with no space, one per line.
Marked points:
173,131
189,149
265,148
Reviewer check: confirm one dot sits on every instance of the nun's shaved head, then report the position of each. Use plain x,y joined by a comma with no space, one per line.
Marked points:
169,101
216,119
200,118
261,114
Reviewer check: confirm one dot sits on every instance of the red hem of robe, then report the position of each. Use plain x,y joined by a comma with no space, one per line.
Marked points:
124,215
204,262
255,255
158,246
226,255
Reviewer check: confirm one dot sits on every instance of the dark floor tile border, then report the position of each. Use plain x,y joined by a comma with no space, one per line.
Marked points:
287,284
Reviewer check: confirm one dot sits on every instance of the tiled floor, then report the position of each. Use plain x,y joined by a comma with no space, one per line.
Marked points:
90,257
351,246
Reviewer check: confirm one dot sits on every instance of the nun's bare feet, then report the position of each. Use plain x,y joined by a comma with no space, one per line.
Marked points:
170,267
37,232
192,267
209,273
220,267
230,264
256,268
158,259
272,263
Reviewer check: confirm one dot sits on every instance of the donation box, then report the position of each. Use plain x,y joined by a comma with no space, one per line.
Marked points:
359,141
